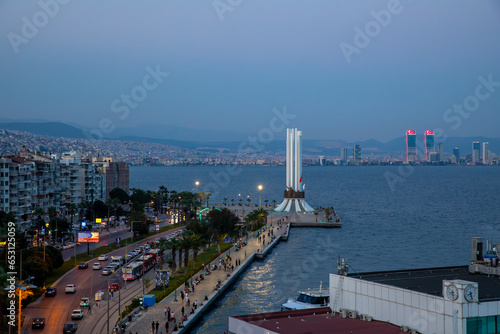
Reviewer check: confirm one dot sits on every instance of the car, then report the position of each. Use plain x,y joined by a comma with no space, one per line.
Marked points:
112,268
38,323
77,314
85,302
83,265
50,292
107,271
96,266
103,257
114,287
70,328
70,288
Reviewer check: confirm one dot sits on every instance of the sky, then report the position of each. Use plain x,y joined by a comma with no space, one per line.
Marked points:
351,70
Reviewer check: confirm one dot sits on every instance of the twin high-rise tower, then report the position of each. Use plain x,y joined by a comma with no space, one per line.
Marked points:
411,145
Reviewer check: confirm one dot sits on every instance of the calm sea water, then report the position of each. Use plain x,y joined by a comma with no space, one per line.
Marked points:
393,218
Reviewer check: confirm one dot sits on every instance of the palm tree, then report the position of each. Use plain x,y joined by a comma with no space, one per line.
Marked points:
197,241
186,246
225,199
232,201
208,196
274,202
249,200
265,201
241,200
173,244
82,207
40,222
162,245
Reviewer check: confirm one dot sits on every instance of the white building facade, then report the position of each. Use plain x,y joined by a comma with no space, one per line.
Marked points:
457,311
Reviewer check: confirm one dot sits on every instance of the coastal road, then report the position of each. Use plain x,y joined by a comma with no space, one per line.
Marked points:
107,238
57,310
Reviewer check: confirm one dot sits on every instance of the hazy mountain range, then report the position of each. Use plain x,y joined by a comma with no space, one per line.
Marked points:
193,138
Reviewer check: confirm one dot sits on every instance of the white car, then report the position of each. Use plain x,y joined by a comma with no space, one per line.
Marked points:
77,314
84,302
102,257
70,288
96,266
107,271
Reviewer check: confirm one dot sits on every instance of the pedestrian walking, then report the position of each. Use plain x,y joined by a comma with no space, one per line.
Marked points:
165,312
182,311
166,327
153,326
157,325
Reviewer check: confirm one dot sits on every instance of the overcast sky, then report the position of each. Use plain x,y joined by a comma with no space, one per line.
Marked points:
344,74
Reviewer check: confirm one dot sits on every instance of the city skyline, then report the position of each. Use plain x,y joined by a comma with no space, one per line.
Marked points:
340,70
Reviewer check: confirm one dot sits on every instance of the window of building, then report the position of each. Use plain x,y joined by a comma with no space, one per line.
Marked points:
483,325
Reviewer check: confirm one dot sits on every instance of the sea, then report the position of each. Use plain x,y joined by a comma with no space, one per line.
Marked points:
394,217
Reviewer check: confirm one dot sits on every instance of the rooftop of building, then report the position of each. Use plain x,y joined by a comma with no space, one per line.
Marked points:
430,280
319,321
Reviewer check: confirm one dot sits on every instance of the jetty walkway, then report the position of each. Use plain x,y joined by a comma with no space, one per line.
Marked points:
205,293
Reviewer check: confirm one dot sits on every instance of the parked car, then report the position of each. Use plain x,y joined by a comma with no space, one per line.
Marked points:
77,314
38,323
103,257
96,266
70,328
107,271
114,287
84,302
50,292
83,265
70,288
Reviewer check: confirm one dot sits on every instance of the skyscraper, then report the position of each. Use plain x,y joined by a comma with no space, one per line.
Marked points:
428,143
486,158
440,151
343,155
411,145
475,151
356,152
456,155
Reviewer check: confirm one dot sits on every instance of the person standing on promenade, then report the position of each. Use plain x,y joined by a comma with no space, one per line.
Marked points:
157,325
153,327
166,327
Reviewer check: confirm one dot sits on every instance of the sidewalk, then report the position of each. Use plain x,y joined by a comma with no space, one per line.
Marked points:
205,292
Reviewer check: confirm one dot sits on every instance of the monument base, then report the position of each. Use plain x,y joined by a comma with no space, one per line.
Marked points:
294,205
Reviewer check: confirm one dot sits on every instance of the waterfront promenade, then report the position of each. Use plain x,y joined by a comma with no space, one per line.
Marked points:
205,293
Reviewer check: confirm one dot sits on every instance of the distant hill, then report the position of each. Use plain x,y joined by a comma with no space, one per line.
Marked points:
54,129
159,134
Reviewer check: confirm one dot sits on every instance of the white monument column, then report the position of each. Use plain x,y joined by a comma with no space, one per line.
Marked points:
294,194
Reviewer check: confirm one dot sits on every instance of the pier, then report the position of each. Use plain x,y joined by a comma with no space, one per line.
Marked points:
206,293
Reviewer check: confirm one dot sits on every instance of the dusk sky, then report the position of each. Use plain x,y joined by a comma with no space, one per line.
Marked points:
351,70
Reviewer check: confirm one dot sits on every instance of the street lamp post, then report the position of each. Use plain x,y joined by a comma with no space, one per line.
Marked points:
197,183
260,196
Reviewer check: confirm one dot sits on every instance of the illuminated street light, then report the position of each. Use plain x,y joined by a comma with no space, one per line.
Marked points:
260,196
